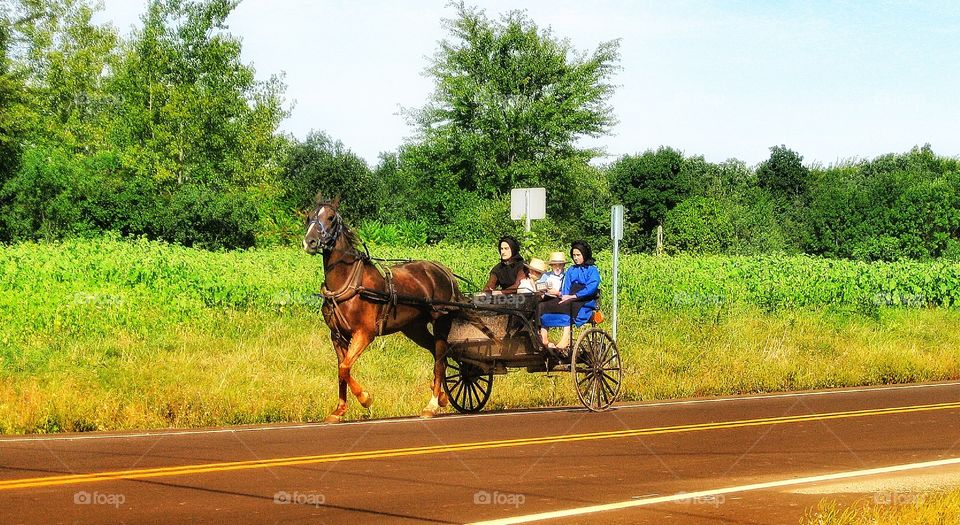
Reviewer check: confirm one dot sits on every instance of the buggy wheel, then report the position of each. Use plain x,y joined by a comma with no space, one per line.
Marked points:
466,385
595,366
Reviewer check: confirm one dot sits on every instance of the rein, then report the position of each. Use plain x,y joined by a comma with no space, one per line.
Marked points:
461,278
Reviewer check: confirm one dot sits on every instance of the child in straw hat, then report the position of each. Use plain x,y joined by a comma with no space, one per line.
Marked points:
553,281
535,270
554,278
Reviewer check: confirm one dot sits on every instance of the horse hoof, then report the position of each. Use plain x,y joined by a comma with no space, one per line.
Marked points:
443,400
365,399
427,414
333,418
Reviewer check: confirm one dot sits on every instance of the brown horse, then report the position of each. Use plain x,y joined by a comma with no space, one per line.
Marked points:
360,303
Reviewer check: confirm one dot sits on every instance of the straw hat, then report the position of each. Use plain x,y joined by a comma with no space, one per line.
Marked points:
558,258
538,265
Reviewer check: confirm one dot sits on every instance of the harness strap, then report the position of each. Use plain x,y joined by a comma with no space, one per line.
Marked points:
353,286
350,288
391,302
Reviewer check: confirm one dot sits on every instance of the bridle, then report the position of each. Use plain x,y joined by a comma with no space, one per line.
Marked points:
328,236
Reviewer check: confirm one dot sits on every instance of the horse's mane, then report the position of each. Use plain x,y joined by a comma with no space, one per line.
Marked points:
351,235
353,239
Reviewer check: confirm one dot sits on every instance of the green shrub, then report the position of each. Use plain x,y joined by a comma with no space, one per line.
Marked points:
723,226
477,221
402,233
45,197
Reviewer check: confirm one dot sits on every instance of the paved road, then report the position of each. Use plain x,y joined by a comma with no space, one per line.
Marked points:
730,460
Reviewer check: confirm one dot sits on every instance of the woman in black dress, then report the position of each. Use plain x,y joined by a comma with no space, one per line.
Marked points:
505,277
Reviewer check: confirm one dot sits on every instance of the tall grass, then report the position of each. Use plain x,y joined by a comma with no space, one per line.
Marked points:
109,334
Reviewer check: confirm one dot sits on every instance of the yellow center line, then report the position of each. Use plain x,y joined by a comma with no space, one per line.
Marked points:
92,477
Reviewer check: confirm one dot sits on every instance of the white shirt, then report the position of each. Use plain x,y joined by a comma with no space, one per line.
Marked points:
554,281
527,286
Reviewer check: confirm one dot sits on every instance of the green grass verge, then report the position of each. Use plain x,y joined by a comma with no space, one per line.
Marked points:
937,508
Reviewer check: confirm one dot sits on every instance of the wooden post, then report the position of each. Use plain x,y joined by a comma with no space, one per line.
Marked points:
659,239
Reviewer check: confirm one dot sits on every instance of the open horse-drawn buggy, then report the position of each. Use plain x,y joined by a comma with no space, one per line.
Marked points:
472,338
498,332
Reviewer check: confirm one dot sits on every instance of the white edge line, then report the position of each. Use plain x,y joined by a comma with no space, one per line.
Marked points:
687,496
453,417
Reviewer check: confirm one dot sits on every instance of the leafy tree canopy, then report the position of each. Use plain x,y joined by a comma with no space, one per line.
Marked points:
188,108
784,174
511,100
320,163
12,109
649,185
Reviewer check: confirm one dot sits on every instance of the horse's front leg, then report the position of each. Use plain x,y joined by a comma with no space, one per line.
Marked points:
358,343
341,409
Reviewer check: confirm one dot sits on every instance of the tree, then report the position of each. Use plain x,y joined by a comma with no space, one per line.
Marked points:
724,225
64,55
784,174
894,206
189,110
58,59
168,134
191,118
648,185
729,179
321,164
510,102
425,165
12,109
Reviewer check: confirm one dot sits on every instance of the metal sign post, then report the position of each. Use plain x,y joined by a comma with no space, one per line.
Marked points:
616,233
528,204
526,214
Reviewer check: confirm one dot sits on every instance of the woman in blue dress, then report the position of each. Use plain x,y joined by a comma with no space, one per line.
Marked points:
578,296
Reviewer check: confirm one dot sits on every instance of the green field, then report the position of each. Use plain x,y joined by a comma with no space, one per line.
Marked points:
112,334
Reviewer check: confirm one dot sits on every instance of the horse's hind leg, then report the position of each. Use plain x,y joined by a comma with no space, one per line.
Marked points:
419,334
439,397
441,329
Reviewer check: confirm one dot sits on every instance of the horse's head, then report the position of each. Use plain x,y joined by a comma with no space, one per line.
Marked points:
323,225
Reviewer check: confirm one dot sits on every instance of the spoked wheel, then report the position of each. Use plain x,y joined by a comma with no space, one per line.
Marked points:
467,387
595,364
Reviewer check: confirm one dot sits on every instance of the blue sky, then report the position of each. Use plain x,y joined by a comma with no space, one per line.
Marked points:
831,80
